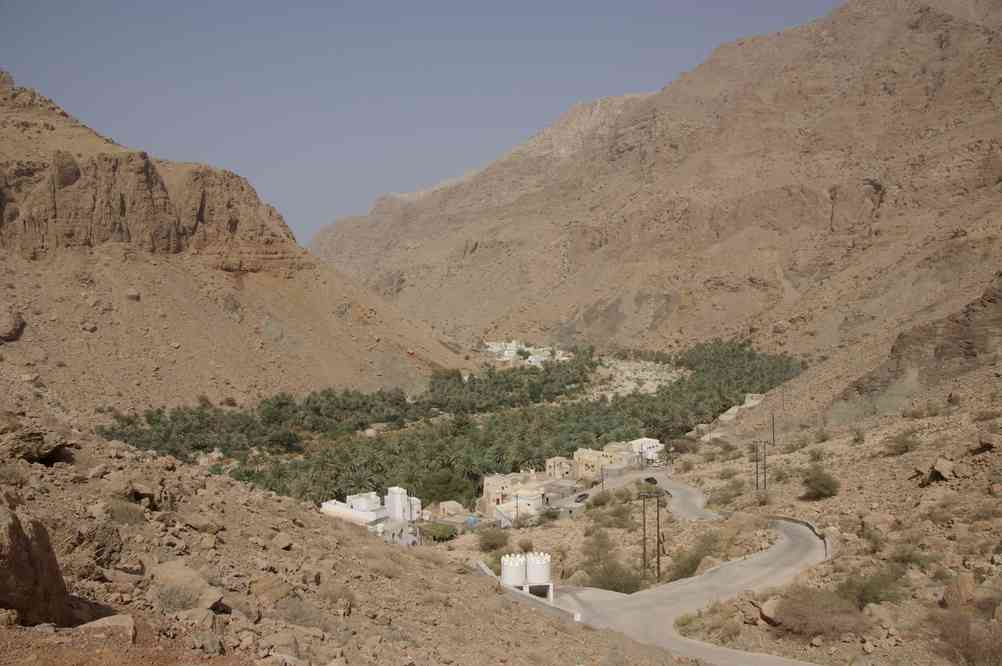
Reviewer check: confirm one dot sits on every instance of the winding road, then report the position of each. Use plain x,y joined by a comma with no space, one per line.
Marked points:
649,616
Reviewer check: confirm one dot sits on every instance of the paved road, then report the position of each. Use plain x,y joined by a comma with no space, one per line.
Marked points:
649,616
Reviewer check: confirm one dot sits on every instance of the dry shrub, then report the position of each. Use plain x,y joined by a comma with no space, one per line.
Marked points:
335,592
12,475
525,545
809,612
968,641
385,567
126,513
988,415
175,598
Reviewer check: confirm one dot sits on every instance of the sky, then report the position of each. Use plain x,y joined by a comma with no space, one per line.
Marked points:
325,107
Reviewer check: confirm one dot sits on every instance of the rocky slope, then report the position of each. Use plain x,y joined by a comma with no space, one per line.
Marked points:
192,566
128,281
817,188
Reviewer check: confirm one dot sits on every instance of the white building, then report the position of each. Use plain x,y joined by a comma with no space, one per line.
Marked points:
368,509
648,448
530,573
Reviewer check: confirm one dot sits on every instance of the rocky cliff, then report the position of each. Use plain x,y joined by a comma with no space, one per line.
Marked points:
62,185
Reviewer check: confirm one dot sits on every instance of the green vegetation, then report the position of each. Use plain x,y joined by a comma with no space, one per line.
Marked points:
491,539
439,532
819,484
686,562
501,421
604,568
876,588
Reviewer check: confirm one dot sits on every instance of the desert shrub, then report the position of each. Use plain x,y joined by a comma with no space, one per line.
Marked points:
604,569
684,445
126,513
492,539
796,444
902,443
686,466
808,612
780,474
685,562
967,640
988,415
927,411
548,516
385,567
727,493
858,436
763,498
439,532
987,511
943,512
819,484
176,598
599,499
821,435
815,455
333,593
728,473
525,545
874,538
883,585
908,555
12,475
624,494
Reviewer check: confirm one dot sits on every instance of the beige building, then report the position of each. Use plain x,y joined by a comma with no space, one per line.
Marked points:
589,463
559,467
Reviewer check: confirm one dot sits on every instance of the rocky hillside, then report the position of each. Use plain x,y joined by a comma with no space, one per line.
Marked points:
128,281
817,189
185,566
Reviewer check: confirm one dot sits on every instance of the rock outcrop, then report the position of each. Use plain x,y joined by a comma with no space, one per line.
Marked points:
62,185
31,582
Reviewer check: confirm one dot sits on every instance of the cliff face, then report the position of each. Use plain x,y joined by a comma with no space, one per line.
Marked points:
813,188
135,282
62,185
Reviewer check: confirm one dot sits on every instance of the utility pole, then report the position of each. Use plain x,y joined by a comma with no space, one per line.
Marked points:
658,500
643,501
601,471
765,455
757,454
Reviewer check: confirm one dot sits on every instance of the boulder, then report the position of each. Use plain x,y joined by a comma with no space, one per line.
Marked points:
941,470
282,541
281,643
770,611
201,522
960,592
11,325
122,627
132,294
30,579
182,588
207,642
35,447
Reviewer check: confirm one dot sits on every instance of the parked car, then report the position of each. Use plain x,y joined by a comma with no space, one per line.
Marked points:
581,498
651,480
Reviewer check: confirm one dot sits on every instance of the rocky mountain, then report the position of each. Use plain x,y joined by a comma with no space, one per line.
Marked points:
131,281
818,189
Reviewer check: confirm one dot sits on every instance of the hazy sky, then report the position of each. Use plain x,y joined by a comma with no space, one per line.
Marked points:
325,107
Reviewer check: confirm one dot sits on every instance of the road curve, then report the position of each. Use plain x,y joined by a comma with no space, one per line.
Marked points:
649,616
